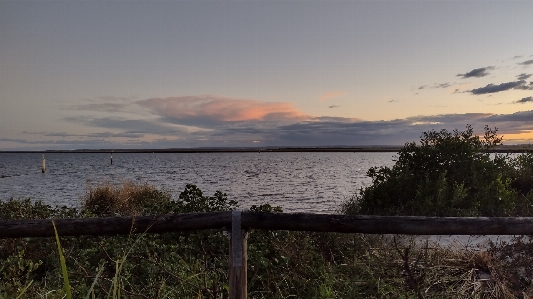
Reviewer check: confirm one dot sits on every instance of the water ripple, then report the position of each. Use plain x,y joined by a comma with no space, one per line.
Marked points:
298,182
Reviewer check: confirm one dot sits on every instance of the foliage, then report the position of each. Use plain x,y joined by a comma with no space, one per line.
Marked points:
26,209
281,264
449,174
130,199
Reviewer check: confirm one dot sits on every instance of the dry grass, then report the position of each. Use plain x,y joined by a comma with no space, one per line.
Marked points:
502,270
126,199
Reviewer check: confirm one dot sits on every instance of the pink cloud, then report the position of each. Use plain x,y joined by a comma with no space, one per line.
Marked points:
221,109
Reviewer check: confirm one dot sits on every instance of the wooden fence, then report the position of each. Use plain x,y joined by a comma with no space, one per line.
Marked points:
239,223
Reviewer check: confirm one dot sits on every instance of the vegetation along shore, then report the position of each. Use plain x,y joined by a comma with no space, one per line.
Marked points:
445,174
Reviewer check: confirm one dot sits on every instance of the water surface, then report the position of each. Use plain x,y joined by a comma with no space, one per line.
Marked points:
298,182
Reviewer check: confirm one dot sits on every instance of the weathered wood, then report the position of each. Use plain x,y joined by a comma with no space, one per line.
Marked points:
238,271
115,225
409,225
271,221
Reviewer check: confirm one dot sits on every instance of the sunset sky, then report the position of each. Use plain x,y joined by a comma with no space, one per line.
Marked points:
177,74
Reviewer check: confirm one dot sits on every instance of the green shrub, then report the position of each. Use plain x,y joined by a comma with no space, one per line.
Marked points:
449,174
281,264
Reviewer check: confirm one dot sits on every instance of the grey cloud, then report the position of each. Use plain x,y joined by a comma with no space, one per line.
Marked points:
527,62
53,134
526,86
103,107
524,100
491,88
319,131
55,142
523,76
112,135
477,73
386,132
336,119
450,118
106,104
521,116
61,134
333,106
131,126
436,85
92,135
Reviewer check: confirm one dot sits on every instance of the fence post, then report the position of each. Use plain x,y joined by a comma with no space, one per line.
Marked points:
238,259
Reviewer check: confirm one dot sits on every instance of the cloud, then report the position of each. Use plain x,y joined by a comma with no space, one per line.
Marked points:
54,142
527,62
91,135
54,134
449,118
115,135
526,86
105,104
103,107
523,76
130,126
436,85
522,116
312,131
491,88
331,95
524,100
333,106
477,73
211,110
325,131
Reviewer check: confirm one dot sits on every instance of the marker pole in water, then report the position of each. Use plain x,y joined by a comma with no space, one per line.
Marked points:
111,158
43,164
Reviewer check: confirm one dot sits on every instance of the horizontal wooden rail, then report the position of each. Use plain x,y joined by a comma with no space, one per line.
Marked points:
115,225
240,222
270,221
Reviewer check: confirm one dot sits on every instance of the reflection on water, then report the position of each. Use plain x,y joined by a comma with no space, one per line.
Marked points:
298,182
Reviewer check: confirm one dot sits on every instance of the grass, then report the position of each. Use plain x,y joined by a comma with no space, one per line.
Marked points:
281,264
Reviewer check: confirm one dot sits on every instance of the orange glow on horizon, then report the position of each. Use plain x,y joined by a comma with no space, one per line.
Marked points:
525,137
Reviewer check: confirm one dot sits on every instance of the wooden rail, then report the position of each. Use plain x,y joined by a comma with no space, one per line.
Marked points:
240,223
409,225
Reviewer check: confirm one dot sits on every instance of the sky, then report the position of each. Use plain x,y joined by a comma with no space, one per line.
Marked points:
181,74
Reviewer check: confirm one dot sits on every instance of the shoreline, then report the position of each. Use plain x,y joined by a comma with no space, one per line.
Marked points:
384,149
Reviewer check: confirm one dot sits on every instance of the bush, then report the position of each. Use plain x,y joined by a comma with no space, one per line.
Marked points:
127,199
449,174
281,264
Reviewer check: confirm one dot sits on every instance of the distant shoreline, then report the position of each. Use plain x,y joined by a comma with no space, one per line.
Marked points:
385,149
219,150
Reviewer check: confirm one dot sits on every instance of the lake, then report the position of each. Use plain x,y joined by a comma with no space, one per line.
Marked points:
297,181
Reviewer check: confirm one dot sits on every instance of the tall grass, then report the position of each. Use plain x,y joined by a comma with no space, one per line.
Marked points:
64,271
281,264
126,199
